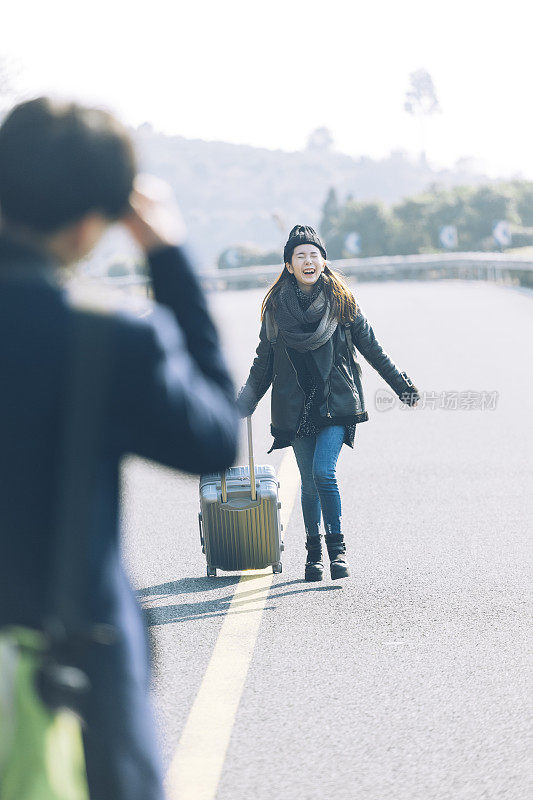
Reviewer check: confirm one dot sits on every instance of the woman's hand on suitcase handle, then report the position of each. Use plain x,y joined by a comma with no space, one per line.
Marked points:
246,401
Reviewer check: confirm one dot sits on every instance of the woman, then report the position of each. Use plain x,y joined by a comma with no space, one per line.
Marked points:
310,324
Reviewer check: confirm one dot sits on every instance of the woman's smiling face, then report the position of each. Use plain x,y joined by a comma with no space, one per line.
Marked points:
307,265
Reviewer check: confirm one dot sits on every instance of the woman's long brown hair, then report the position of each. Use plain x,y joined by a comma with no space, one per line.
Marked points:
341,299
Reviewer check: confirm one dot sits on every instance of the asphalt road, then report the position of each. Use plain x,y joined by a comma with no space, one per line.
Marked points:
412,678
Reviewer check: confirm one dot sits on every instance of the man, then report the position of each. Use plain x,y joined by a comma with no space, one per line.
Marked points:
67,173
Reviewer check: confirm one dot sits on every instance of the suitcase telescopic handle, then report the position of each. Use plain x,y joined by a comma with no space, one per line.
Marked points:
251,458
253,490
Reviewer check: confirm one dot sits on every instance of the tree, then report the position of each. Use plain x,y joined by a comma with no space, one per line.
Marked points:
421,101
409,225
372,222
330,213
524,204
320,140
487,205
413,225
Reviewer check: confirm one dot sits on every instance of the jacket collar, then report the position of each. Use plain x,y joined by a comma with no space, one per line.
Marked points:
23,262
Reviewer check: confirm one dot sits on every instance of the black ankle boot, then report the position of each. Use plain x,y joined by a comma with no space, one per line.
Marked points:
314,568
337,555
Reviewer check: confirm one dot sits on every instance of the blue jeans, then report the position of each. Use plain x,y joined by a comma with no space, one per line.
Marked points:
316,457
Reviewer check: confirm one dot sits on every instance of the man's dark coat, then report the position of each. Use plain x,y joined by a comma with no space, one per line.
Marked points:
170,399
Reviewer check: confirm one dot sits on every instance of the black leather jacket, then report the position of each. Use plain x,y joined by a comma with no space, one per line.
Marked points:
335,361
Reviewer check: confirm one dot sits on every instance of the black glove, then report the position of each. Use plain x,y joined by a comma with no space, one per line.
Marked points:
408,393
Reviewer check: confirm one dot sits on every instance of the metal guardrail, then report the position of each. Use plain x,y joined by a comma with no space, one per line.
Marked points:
499,267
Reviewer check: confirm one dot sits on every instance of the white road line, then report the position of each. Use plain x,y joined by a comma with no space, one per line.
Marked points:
197,764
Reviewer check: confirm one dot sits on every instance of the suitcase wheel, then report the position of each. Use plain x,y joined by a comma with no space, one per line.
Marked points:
277,568
211,572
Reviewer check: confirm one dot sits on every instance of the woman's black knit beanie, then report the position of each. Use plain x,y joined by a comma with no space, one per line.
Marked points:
302,234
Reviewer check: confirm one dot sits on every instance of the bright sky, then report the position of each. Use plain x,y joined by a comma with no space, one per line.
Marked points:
267,73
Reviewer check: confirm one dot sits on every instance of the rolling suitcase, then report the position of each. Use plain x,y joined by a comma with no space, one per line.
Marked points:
239,517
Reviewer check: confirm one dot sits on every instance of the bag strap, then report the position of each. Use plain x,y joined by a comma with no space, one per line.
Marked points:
80,451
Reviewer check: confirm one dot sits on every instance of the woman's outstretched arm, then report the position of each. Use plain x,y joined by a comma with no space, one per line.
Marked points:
366,342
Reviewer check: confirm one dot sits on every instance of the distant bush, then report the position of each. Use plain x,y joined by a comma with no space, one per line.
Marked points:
124,267
522,237
413,225
247,256
119,269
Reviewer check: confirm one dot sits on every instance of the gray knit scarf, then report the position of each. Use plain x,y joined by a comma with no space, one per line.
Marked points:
290,317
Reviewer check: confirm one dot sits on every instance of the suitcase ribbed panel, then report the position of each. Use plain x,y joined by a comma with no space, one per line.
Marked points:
241,534
241,538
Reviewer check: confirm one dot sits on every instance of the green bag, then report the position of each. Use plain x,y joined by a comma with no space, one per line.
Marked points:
41,751
41,746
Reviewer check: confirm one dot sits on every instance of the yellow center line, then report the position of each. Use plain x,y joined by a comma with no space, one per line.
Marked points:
195,770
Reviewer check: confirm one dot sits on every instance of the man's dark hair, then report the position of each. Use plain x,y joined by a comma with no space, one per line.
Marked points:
59,162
